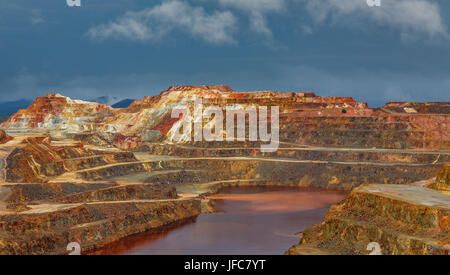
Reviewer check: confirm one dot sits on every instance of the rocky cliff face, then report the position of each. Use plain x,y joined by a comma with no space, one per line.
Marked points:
92,225
399,219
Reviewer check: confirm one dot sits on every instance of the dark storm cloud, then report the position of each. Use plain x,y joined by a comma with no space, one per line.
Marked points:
135,48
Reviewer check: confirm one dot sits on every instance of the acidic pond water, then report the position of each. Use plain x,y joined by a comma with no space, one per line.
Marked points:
255,220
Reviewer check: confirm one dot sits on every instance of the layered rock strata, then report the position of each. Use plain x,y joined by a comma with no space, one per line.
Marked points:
43,230
80,171
305,119
399,219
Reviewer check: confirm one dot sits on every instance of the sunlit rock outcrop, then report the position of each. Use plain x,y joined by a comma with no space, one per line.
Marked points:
305,118
55,111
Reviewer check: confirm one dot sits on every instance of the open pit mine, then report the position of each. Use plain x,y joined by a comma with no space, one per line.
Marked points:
76,171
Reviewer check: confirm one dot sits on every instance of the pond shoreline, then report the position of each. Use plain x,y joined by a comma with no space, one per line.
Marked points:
275,214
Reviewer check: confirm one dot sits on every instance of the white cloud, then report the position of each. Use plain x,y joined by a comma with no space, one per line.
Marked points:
411,18
154,23
257,10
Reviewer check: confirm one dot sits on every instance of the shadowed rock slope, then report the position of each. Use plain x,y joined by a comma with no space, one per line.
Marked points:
402,219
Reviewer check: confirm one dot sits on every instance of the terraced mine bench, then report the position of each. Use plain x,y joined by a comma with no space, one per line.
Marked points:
81,171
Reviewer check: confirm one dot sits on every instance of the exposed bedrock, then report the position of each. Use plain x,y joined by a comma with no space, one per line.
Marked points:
392,131
25,193
65,192
279,172
305,118
38,159
211,149
442,181
402,219
92,225
150,191
415,107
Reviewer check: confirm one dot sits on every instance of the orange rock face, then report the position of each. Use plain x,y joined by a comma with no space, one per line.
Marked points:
55,111
304,118
4,137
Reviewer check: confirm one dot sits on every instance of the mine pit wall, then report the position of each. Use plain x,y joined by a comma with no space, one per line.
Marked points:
91,225
399,227
139,191
341,176
329,127
388,156
36,162
64,192
419,219
25,193
381,131
2,170
274,172
354,237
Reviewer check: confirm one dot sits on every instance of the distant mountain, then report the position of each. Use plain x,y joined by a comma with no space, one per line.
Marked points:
123,103
10,107
3,118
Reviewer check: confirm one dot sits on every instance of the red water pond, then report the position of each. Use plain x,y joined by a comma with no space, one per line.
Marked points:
255,220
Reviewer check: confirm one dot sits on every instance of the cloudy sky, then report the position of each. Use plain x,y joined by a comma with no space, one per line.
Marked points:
131,48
